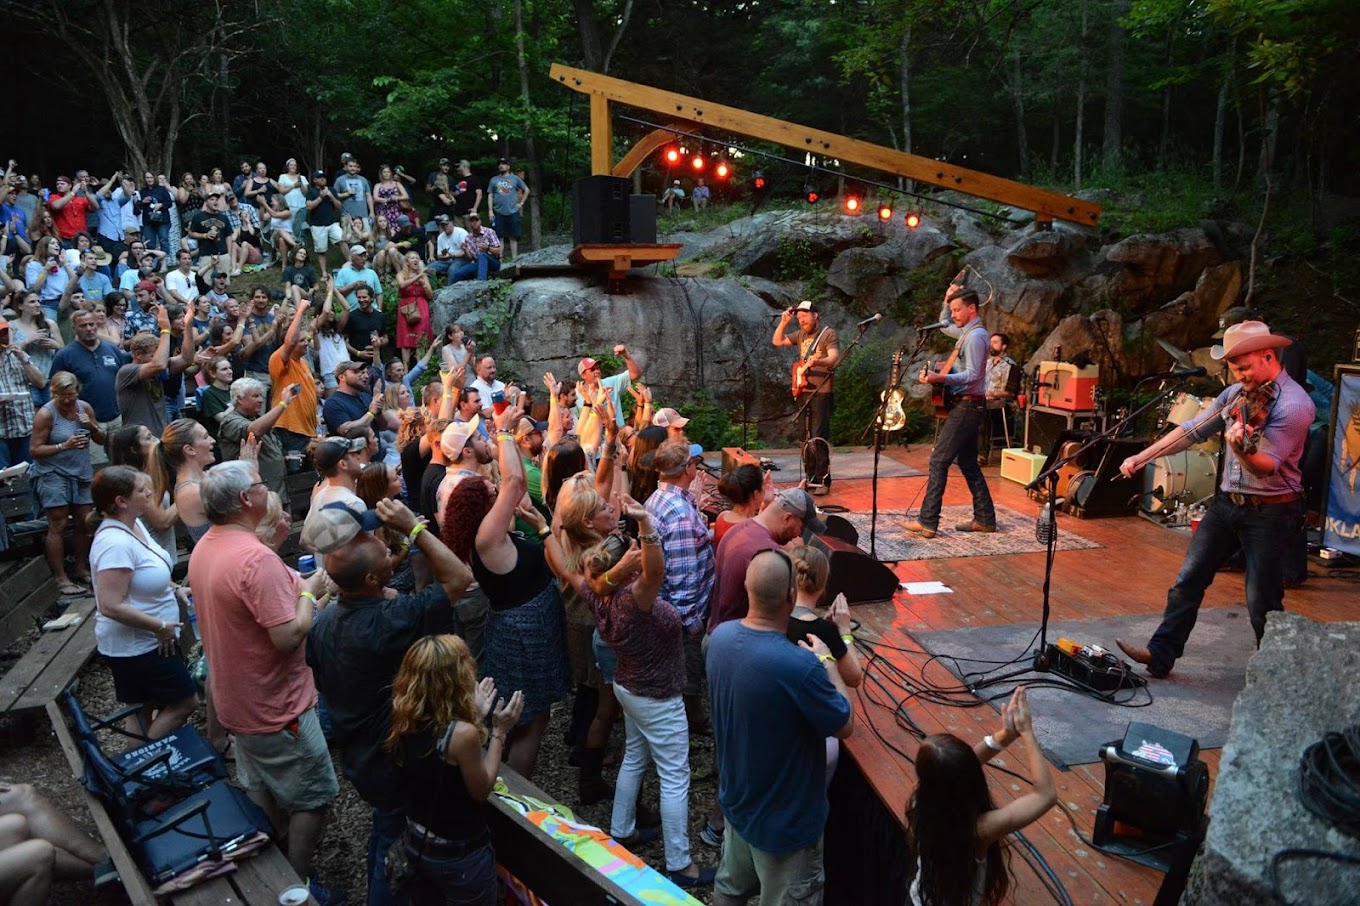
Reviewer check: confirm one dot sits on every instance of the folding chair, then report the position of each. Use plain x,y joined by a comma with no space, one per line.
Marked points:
168,798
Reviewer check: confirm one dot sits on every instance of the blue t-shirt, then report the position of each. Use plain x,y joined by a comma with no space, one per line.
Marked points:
96,287
16,218
504,192
97,370
355,205
773,708
259,359
350,274
342,407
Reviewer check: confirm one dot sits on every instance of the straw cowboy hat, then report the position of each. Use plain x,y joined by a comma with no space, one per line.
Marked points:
1249,336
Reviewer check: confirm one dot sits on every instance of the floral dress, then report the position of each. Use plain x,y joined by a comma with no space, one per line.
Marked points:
387,204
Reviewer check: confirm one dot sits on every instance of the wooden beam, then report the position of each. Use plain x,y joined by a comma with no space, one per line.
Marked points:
642,150
604,89
601,136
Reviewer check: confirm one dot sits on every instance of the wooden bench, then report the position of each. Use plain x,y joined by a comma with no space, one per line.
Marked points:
543,864
29,593
18,508
258,879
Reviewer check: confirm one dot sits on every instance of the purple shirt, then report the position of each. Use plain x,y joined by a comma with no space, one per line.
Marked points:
650,646
1282,438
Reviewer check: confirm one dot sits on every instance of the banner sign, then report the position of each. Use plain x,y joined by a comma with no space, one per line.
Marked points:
1341,521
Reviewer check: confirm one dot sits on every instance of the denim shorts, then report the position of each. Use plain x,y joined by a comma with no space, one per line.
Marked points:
55,491
605,658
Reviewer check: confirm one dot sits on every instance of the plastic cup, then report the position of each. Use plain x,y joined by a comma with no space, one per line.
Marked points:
296,895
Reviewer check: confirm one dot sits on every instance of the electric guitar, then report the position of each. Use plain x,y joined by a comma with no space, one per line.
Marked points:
800,381
893,418
941,397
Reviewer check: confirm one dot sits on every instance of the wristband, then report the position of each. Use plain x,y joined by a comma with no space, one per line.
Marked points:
367,414
608,581
650,538
992,744
848,638
505,435
499,737
309,595
420,527
165,331
162,629
826,658
544,532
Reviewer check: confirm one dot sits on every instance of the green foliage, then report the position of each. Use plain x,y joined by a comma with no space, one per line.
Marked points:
709,426
795,260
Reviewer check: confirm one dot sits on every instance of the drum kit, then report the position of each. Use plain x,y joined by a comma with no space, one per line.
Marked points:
1190,476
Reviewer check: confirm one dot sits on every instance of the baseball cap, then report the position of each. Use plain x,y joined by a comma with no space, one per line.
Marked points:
349,365
676,183
4,325
218,275
148,285
357,249
806,305
335,525
443,161
799,502
586,364
318,174
669,418
331,450
456,435
503,160
442,218
403,220
526,426
464,163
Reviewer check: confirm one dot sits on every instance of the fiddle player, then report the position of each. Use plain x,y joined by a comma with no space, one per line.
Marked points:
1264,417
819,352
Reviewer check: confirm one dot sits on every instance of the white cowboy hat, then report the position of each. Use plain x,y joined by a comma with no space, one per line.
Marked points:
1249,336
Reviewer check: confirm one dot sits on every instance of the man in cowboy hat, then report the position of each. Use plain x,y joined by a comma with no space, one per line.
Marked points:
1264,417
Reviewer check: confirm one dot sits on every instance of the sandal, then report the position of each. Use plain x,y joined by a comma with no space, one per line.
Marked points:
71,588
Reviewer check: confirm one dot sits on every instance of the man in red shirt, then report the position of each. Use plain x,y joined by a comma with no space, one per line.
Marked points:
70,204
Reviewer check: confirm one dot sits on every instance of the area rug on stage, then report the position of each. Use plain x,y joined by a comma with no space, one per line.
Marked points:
846,462
1196,700
1014,535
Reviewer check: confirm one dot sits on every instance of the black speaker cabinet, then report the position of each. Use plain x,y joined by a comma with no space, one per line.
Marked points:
642,219
1093,485
860,577
600,210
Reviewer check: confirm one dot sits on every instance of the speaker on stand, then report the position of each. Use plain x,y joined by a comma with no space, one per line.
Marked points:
601,210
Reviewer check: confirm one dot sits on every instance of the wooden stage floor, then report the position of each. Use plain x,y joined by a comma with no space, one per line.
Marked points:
1129,575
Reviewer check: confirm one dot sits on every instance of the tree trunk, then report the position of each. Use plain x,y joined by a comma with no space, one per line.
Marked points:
1018,105
1270,138
1114,89
1221,115
904,88
1057,140
1081,104
530,150
588,28
1164,143
1241,143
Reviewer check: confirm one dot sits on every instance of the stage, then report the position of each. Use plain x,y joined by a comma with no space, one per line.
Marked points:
1125,573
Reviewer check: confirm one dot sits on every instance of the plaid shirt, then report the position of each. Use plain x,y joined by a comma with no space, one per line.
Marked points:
16,418
476,243
689,553
241,214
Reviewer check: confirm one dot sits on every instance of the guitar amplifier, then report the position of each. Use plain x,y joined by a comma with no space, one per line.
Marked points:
1021,466
734,457
1068,387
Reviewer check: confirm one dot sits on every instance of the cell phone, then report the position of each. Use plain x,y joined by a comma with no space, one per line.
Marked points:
467,341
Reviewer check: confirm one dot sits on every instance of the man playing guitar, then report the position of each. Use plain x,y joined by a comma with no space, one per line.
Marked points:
819,352
958,436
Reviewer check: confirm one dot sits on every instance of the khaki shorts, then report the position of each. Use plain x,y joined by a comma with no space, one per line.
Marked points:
323,236
795,878
292,767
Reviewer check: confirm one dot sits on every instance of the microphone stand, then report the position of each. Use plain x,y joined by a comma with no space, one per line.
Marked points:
877,426
1050,476
802,414
744,375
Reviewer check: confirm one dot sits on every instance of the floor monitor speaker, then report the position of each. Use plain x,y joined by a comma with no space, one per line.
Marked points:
861,578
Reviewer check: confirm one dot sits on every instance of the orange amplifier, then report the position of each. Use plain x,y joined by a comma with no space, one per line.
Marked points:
1068,387
733,457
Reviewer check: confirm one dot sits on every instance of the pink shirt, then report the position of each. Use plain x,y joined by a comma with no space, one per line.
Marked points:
242,588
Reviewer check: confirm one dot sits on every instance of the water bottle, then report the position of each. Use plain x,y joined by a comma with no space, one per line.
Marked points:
1043,529
190,612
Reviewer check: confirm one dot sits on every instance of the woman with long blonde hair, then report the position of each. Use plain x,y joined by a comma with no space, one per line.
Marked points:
436,738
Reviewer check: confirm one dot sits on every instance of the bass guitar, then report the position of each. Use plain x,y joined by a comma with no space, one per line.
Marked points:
893,418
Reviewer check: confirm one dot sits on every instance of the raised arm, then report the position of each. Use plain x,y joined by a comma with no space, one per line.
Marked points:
780,337
634,369
1030,807
653,561
493,535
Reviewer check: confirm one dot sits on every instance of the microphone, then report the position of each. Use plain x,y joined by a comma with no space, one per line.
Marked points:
944,322
1178,373
867,321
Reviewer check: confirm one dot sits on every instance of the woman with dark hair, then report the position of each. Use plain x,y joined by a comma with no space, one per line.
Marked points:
135,446
748,491
642,474
115,319
620,584
137,624
437,740
562,461
952,823
525,633
379,481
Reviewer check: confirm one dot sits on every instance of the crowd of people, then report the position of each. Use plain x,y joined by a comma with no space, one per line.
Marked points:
482,551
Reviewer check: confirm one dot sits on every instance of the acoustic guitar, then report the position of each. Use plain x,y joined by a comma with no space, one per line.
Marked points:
893,417
941,396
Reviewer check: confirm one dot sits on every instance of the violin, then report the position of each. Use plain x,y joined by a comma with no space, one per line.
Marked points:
1251,408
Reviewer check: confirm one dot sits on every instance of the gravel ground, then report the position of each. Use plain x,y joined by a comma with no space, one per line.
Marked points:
340,859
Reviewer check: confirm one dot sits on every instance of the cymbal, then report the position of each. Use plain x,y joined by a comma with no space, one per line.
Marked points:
1181,357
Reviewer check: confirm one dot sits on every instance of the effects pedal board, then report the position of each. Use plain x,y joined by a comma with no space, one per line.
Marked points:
1090,666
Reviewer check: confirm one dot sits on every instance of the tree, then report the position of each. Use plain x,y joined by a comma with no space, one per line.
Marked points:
154,61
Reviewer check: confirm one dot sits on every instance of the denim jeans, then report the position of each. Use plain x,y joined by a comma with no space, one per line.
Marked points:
657,731
484,265
1264,534
157,236
13,450
817,424
387,829
958,443
468,880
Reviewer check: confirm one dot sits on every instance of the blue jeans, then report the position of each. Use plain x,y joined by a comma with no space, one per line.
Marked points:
387,829
443,266
484,265
1264,534
13,450
958,443
157,236
468,880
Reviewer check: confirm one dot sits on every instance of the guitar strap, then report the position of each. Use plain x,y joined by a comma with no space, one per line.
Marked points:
958,347
813,346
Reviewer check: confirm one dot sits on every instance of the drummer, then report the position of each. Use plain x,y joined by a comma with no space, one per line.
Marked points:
1259,505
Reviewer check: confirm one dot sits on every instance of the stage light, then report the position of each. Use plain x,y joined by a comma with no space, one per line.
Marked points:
885,212
810,193
913,220
672,155
722,171
852,204
758,181
697,163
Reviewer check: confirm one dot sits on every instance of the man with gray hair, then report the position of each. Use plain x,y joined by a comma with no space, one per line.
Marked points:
254,616
247,418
